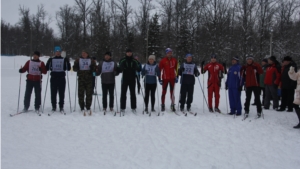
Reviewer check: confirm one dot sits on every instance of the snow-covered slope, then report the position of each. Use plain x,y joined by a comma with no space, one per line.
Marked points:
208,140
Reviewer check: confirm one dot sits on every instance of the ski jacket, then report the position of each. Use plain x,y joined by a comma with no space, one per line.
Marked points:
215,73
262,76
84,68
286,81
129,66
151,73
188,71
251,74
234,77
34,69
272,75
168,67
108,71
58,65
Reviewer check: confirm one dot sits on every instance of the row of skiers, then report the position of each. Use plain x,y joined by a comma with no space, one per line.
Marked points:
253,76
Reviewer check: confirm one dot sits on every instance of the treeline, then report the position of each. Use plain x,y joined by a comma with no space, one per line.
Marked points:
201,27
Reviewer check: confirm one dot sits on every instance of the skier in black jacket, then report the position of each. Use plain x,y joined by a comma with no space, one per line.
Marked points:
58,65
188,70
128,66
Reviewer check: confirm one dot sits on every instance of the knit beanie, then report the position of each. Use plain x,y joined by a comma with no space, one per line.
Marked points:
168,50
151,57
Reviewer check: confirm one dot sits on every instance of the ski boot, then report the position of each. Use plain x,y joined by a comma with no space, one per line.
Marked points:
146,110
217,110
25,110
211,110
258,114
111,109
172,107
53,109
163,107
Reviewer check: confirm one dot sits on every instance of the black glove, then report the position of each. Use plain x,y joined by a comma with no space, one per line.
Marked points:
202,63
240,88
20,70
197,74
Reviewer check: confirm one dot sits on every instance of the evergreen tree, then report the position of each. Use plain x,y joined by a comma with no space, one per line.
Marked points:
154,37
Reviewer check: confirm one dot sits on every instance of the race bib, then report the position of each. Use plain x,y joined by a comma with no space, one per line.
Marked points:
108,67
57,65
34,68
188,69
150,70
84,64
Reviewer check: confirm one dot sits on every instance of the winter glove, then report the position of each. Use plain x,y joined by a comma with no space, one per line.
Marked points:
160,81
176,80
197,74
20,70
202,63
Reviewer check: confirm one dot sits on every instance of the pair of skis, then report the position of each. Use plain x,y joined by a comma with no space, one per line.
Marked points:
21,112
257,117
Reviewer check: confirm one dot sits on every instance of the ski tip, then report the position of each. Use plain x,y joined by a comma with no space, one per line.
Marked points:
10,115
48,114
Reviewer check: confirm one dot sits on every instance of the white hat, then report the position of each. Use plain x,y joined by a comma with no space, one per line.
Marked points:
151,57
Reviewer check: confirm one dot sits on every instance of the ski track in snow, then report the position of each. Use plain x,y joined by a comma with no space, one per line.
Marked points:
208,140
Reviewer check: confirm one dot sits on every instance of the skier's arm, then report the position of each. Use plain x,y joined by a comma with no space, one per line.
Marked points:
196,71
48,67
25,68
76,65
143,72
258,68
157,70
99,69
203,68
67,65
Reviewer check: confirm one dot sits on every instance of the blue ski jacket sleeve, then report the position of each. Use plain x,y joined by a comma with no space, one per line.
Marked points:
234,80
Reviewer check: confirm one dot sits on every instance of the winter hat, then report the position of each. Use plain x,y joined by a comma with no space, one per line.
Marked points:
235,58
287,58
213,56
151,57
57,48
188,55
249,57
128,50
85,51
265,60
168,50
107,53
273,59
37,53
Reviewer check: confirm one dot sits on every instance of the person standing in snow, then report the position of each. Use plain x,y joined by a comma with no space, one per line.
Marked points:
188,70
138,75
249,73
234,87
108,70
215,73
288,85
168,66
296,77
272,80
85,68
35,69
128,66
58,65
151,72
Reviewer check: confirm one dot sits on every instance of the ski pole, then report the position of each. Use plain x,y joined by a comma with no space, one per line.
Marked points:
179,98
19,92
157,99
145,81
97,95
117,100
226,95
203,92
142,92
68,87
75,93
46,89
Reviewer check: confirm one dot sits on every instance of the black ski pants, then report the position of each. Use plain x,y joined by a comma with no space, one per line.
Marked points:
124,88
255,90
58,85
37,90
138,77
108,88
150,88
186,95
287,98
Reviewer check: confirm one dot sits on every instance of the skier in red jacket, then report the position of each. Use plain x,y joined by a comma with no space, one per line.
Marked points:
35,69
215,71
168,67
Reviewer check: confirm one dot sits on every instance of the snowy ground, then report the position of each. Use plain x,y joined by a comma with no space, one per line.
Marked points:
205,141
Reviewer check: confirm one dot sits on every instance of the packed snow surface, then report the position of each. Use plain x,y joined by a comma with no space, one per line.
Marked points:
208,140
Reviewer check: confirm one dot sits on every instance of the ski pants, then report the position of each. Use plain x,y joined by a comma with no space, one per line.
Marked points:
37,90
213,88
138,77
287,98
58,85
85,89
150,88
124,88
235,100
271,92
108,88
166,82
255,90
186,95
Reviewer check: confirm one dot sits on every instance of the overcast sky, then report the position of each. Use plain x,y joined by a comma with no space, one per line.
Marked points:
10,12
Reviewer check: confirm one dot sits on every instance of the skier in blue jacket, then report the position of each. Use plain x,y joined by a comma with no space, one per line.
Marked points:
234,86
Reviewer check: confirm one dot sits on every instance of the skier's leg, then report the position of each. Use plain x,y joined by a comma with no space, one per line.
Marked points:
54,90
89,94
104,95
268,97
190,93
123,97
210,94
257,96
28,91
147,91
132,95
217,95
164,91
231,100
81,91
111,88
238,103
37,91
172,84
183,91
61,90
153,89
248,98
274,94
